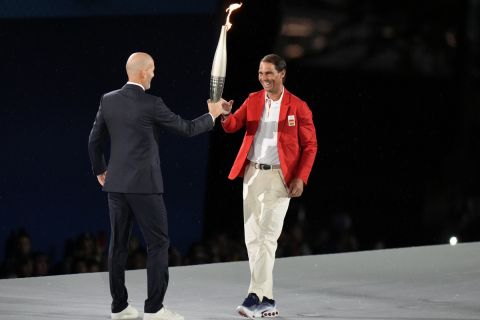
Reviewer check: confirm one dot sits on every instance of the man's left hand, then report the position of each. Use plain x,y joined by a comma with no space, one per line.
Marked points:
101,178
295,189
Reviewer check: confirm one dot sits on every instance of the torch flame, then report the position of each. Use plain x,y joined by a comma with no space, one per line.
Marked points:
230,9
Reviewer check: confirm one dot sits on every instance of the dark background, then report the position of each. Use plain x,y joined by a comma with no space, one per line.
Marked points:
393,86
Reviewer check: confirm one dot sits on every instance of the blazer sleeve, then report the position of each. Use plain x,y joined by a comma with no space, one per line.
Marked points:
163,116
236,121
96,143
308,142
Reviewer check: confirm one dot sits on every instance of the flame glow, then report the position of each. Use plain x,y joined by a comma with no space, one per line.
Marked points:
230,9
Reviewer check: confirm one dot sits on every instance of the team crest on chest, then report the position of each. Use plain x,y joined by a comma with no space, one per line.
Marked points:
291,120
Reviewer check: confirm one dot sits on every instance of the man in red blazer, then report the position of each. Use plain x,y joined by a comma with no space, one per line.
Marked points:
275,160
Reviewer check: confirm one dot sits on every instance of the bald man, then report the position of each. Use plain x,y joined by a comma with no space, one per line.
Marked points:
129,117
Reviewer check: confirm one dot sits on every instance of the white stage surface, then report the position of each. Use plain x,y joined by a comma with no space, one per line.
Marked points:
420,283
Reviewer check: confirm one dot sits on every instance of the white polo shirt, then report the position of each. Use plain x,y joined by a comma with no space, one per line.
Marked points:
264,148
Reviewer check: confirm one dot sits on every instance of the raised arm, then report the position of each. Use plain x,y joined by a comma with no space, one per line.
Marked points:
165,117
234,122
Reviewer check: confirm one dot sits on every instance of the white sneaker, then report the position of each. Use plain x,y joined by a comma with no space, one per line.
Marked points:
163,314
128,313
246,312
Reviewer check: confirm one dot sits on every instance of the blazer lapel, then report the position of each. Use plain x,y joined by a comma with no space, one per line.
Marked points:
284,107
260,103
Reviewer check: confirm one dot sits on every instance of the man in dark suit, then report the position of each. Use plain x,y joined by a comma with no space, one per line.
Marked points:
130,118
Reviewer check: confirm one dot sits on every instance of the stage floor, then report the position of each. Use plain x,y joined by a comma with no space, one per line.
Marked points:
419,283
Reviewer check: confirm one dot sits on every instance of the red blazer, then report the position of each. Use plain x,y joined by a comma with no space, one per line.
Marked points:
297,141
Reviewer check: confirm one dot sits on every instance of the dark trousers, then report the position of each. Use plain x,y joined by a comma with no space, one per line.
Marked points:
151,215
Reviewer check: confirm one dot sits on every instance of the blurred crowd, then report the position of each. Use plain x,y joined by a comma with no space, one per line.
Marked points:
88,252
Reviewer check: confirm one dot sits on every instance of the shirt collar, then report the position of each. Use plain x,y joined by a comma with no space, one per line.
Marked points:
279,99
138,84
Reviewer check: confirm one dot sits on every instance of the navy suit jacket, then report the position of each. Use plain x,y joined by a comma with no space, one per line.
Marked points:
129,117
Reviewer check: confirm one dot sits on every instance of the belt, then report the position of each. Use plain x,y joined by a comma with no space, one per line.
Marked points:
262,166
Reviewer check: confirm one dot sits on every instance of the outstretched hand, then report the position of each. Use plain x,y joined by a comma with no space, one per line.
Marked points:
215,108
227,106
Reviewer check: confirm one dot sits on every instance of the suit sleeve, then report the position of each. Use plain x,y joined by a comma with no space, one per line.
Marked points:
96,143
236,121
308,143
163,116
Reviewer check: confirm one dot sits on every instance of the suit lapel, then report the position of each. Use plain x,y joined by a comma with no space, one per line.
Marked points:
284,107
261,105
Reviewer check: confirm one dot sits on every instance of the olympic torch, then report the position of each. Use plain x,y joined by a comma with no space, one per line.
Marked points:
219,66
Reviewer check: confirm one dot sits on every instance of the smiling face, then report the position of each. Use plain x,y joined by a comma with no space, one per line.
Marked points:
271,79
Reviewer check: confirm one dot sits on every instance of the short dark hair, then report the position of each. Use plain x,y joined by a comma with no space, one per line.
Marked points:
276,60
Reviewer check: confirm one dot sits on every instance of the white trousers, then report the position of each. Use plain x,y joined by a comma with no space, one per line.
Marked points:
265,204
